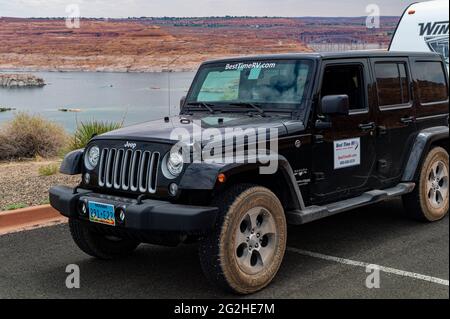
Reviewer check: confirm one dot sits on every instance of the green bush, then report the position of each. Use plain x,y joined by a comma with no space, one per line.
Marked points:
86,130
29,136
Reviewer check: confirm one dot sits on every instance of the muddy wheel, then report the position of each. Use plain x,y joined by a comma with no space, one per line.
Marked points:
430,199
98,245
245,251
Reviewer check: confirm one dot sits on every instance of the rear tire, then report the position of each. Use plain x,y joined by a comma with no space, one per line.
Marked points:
98,245
245,250
430,199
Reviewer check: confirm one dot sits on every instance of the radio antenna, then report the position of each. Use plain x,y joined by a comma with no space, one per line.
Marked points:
168,90
169,82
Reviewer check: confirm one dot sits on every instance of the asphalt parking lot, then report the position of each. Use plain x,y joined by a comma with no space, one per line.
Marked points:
33,263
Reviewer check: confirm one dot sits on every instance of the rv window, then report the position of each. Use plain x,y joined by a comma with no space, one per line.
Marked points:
392,84
431,81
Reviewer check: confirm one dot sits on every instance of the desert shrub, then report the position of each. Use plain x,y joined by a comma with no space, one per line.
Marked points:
86,130
48,170
28,136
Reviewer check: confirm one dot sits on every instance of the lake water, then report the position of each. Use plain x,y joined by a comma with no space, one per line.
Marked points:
132,97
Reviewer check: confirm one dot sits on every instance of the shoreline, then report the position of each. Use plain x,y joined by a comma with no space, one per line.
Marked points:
106,70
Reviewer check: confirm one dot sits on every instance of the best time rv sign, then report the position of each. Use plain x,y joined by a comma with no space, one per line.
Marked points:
347,153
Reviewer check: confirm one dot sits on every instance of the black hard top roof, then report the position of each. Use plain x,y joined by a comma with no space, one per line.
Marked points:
329,55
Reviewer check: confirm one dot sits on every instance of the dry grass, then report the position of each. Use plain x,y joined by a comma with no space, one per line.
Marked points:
48,170
15,206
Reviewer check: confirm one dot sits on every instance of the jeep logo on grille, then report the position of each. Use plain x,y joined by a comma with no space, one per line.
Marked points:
130,145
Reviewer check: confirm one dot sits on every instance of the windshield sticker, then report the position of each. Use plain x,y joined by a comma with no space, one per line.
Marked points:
347,153
254,74
252,65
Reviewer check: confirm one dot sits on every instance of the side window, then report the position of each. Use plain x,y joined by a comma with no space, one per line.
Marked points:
431,81
345,79
392,84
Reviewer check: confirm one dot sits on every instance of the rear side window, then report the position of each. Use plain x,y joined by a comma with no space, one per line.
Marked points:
431,81
392,84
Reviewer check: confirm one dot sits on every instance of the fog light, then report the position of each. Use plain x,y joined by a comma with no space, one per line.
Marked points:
173,189
83,208
87,178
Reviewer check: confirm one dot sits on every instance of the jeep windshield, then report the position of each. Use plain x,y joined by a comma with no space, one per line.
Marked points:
253,86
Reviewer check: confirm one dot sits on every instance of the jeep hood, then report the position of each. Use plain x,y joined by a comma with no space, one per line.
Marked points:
194,125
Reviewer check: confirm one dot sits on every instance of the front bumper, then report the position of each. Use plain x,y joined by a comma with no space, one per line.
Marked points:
149,215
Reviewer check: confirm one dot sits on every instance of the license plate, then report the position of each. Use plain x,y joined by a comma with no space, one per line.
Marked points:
102,213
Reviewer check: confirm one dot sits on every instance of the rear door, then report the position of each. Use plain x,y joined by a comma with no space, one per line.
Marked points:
396,119
344,152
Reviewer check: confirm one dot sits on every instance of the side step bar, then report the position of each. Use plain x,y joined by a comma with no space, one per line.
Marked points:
312,213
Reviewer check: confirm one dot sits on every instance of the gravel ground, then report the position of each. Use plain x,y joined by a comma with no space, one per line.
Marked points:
21,183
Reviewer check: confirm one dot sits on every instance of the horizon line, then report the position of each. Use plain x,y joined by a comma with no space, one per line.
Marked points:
201,17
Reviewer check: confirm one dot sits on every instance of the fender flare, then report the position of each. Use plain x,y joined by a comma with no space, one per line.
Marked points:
72,163
203,176
420,149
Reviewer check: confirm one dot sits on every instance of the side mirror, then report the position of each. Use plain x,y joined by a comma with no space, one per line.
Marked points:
335,104
183,99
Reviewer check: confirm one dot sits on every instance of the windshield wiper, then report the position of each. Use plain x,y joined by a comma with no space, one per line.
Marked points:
202,104
255,106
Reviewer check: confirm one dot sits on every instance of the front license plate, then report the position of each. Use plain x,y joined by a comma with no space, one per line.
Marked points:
102,213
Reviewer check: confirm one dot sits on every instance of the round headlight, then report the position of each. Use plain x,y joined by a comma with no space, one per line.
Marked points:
175,163
92,157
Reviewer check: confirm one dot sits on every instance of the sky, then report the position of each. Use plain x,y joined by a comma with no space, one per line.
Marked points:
195,8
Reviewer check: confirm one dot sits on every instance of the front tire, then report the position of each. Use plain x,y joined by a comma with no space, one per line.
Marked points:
430,199
245,250
98,245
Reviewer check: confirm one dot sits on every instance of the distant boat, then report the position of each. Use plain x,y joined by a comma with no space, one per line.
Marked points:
69,110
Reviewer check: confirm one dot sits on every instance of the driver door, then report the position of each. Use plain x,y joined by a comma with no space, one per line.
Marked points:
344,145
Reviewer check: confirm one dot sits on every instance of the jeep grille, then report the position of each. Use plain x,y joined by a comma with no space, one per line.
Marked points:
133,170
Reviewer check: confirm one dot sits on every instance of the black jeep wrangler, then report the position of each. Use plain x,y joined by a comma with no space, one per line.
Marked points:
349,130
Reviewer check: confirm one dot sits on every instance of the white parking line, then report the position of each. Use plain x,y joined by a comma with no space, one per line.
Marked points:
365,265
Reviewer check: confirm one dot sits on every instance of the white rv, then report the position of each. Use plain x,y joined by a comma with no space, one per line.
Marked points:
423,27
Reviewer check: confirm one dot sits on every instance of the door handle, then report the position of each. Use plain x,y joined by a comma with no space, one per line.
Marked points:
323,125
367,126
407,120
382,130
